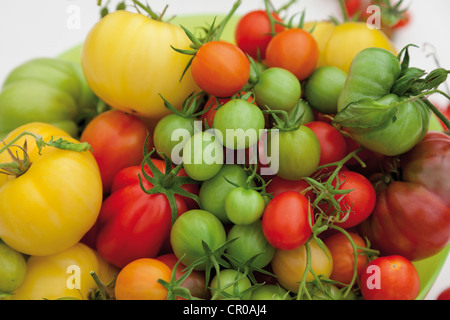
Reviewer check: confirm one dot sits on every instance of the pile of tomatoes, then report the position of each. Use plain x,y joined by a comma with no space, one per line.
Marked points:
222,170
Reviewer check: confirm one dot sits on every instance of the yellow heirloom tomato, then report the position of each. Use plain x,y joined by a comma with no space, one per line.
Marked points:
66,274
50,206
128,61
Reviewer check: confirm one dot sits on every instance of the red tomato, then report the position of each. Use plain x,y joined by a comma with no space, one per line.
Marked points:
295,50
390,278
253,32
361,200
403,21
117,140
352,6
332,143
343,256
220,68
278,185
444,295
212,105
285,220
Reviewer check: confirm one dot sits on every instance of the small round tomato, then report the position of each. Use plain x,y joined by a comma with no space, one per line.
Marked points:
270,292
295,50
117,140
230,283
244,206
287,220
220,68
390,278
138,280
289,266
253,32
278,185
189,232
249,243
13,268
211,105
343,255
444,295
333,146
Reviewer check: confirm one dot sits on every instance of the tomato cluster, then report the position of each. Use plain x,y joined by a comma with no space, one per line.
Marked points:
240,177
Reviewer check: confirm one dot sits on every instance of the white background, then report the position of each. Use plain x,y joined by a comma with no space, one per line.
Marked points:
46,28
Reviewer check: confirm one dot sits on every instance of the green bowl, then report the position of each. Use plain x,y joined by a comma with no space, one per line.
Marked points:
428,268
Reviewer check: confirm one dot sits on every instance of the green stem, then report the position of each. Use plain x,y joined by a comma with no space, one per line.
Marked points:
343,10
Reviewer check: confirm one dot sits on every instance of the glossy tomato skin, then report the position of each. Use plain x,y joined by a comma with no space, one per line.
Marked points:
138,280
278,185
253,30
220,68
390,278
117,140
295,50
287,220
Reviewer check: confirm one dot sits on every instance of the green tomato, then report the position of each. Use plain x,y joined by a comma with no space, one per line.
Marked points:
250,242
171,134
304,110
278,89
214,191
202,156
13,268
270,292
298,153
230,283
238,124
244,206
190,230
324,87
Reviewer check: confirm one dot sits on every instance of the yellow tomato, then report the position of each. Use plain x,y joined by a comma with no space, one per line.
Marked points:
128,61
321,31
289,265
64,275
55,202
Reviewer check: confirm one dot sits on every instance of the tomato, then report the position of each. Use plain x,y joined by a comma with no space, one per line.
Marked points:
356,205
321,31
252,32
214,191
117,140
238,124
244,206
295,50
323,88
333,146
13,268
296,153
270,292
404,21
287,220
65,274
277,89
212,104
343,255
289,266
250,242
202,156
55,202
352,7
444,295
390,278
128,80
195,282
220,68
190,230
278,185
230,283
138,280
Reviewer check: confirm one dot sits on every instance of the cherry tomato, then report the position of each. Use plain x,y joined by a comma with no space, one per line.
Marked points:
253,32
295,50
138,280
444,295
117,141
285,220
220,68
244,206
230,283
390,278
278,185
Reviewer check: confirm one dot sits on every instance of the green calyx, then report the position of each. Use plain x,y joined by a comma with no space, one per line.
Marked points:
191,106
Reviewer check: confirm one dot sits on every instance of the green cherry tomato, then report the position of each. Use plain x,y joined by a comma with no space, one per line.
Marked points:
270,292
202,156
230,283
13,268
238,124
244,206
278,89
190,230
249,242
304,110
213,191
324,87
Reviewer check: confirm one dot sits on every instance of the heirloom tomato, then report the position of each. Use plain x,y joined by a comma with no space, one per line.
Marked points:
52,205
126,57
65,274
